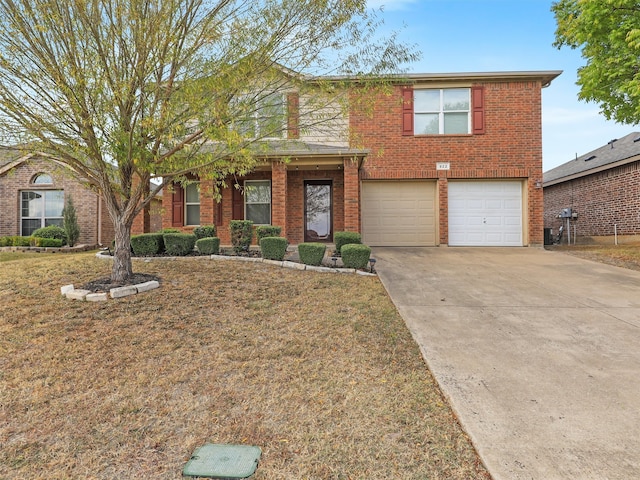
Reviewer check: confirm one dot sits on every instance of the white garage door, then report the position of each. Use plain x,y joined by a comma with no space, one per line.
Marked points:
399,214
485,213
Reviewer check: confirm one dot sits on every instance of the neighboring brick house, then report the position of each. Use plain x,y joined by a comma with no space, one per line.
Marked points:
602,190
33,191
440,159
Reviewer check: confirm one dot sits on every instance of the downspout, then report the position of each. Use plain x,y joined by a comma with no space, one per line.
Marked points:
99,220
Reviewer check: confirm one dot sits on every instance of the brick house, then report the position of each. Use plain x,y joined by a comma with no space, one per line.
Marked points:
33,191
450,159
602,190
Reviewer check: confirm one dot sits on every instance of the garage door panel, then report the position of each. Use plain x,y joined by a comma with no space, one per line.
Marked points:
485,213
398,213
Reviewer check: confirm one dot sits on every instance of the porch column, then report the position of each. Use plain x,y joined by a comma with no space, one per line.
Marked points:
351,195
279,196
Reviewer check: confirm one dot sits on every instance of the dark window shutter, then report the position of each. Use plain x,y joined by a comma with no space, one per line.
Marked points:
293,115
219,213
177,206
238,204
477,110
407,111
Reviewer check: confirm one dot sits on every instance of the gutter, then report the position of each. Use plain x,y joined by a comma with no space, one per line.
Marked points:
585,173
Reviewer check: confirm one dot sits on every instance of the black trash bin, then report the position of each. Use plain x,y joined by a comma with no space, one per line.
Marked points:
548,237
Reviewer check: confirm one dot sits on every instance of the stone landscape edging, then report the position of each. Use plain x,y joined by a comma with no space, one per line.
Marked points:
72,293
238,258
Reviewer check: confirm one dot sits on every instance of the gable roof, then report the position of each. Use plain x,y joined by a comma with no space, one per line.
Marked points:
11,158
615,153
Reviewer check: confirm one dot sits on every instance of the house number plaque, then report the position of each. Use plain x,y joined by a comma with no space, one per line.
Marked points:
443,166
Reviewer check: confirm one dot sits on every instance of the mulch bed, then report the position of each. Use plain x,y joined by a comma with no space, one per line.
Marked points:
105,284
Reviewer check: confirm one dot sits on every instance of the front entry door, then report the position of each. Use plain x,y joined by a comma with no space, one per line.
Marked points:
318,215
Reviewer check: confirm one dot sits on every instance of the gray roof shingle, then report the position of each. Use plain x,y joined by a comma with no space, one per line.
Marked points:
607,156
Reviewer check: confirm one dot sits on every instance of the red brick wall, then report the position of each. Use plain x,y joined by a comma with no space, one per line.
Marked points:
511,147
294,191
602,200
85,201
295,200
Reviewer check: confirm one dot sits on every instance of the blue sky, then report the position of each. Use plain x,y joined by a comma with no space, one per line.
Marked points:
504,35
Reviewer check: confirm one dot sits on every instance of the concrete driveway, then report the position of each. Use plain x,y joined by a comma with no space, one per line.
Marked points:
538,352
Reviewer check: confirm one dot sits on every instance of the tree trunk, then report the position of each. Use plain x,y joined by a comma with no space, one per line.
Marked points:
122,268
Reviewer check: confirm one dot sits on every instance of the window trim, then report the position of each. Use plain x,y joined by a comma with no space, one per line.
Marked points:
36,179
441,112
246,202
188,204
42,218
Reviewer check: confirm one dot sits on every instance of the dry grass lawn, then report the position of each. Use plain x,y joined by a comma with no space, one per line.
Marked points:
316,369
626,256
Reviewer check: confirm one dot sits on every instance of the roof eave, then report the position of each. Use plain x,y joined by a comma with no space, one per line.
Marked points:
584,173
544,76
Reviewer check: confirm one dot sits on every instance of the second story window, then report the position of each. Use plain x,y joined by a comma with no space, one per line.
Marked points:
441,111
265,119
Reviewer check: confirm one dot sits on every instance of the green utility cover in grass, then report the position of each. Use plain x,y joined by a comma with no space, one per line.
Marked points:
223,461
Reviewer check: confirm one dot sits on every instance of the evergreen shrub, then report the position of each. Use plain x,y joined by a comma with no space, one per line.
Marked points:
241,235
47,242
147,244
70,222
179,244
267,231
204,231
52,231
345,238
355,255
311,253
273,248
208,245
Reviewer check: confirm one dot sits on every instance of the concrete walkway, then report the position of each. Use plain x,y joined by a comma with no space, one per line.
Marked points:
538,352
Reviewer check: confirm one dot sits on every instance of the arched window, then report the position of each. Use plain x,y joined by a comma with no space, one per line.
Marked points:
42,179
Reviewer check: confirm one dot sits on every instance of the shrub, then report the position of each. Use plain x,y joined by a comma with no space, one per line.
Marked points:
208,245
311,253
52,231
241,234
179,244
17,241
273,248
346,238
147,244
170,230
47,242
70,222
267,231
204,231
355,255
